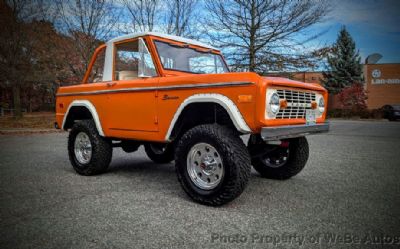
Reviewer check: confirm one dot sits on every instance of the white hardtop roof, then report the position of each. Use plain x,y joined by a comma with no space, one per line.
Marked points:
171,37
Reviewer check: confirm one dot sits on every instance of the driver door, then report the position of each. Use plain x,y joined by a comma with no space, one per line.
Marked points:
132,95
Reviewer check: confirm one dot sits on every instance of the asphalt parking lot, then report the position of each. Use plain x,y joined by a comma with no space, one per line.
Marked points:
350,187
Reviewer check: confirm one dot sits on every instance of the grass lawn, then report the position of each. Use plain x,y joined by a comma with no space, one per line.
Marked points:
39,120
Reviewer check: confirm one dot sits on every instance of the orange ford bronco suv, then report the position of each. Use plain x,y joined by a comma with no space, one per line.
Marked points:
178,98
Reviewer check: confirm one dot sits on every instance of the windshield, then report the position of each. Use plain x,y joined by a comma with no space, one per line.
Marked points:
183,58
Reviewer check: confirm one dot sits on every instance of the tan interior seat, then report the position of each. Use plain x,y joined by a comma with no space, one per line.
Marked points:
127,75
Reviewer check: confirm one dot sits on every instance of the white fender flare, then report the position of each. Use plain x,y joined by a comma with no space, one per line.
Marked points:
92,110
220,99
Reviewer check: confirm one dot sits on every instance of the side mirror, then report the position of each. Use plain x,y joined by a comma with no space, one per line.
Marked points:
146,66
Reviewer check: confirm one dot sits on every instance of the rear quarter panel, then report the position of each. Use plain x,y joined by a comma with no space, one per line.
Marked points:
64,102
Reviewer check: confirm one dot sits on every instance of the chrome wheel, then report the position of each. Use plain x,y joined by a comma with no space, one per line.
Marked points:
82,148
204,165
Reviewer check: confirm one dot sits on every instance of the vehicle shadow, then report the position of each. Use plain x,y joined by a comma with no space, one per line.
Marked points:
147,171
160,179
144,170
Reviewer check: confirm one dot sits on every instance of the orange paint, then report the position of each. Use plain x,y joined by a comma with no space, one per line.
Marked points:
245,98
147,115
91,63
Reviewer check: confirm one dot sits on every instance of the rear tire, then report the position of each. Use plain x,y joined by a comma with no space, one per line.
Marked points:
212,164
160,153
280,162
89,153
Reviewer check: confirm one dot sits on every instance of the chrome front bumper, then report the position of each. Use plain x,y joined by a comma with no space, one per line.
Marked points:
290,131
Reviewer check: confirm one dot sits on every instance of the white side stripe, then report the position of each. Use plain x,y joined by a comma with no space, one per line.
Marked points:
159,88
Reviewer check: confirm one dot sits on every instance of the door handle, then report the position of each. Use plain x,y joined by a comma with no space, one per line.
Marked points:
110,84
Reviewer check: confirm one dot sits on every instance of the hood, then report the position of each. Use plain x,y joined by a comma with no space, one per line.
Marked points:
278,81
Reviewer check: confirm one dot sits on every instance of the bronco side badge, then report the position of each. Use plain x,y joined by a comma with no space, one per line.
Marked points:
166,97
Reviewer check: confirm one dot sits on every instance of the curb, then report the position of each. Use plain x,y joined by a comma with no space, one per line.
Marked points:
28,131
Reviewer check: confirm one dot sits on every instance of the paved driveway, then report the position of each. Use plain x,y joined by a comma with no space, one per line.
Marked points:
350,187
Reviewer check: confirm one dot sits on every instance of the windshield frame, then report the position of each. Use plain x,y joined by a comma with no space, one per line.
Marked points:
188,46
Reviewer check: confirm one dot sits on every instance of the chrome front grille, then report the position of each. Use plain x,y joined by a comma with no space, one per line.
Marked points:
297,103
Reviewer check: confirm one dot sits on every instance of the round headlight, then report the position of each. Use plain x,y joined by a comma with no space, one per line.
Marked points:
274,103
321,105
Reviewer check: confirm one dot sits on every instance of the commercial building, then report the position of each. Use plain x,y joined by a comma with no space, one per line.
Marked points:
382,84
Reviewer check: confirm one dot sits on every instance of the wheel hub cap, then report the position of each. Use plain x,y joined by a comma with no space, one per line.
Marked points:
278,158
204,165
83,148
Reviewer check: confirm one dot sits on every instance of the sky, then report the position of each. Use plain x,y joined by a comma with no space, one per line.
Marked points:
373,24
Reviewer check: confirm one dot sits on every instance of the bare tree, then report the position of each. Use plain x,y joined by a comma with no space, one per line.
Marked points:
16,44
87,23
261,35
143,13
169,16
179,16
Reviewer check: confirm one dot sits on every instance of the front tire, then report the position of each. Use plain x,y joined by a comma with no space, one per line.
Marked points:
279,161
212,164
89,153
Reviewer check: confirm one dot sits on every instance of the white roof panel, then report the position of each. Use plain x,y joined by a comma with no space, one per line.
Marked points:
171,37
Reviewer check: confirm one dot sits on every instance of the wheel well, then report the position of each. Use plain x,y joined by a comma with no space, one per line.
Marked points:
201,113
76,113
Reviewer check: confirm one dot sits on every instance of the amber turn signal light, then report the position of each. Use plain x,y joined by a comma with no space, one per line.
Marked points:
283,104
245,98
314,105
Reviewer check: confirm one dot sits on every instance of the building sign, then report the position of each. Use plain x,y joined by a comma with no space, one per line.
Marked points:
376,75
385,81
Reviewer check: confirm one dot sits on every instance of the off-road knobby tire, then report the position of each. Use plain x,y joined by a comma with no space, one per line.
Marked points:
101,149
166,157
298,156
235,158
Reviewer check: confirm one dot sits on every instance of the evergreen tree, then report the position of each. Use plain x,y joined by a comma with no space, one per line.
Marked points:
344,64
